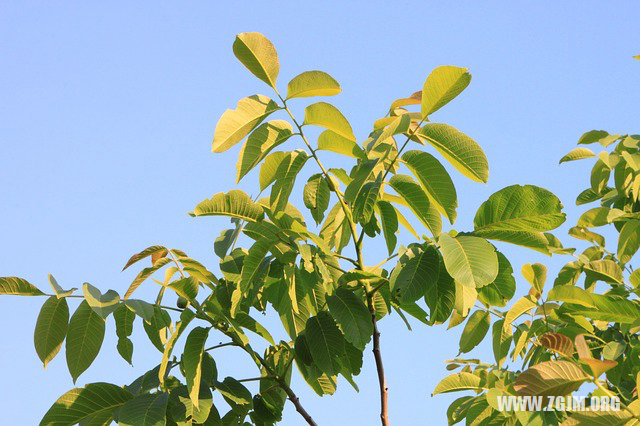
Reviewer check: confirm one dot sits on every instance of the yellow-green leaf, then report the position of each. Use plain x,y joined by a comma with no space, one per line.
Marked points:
458,382
257,53
102,304
441,86
577,154
234,203
237,123
550,378
326,115
312,83
331,141
259,143
418,202
471,261
18,287
459,149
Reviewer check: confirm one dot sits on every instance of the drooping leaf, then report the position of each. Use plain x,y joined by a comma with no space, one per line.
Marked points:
536,274
326,115
18,287
577,154
458,149
192,361
257,53
592,136
583,233
260,143
234,203
417,270
141,308
550,378
502,289
84,339
144,410
435,180
389,221
440,296
234,391
316,196
102,304
571,294
522,305
237,123
441,86
186,287
312,83
629,240
325,342
185,319
475,330
417,201
471,261
80,405
605,270
51,328
59,291
285,179
366,199
352,315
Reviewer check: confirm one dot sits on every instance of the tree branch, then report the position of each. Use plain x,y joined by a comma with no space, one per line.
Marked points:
382,382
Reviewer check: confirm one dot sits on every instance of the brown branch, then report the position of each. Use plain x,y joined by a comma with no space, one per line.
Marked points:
296,402
384,390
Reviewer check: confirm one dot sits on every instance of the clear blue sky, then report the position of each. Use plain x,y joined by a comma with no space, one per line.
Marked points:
108,110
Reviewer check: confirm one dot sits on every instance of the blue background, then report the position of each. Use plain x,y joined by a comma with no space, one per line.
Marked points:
107,115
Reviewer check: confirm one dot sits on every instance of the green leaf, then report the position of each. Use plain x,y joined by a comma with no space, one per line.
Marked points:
519,208
550,378
18,287
257,53
57,290
592,136
234,203
185,318
252,262
51,328
571,294
599,216
124,317
441,86
458,149
417,201
331,141
609,308
144,410
399,124
502,289
269,168
260,143
84,339
474,331
440,296
583,233
141,308
192,361
316,196
326,115
501,341
366,199
186,287
125,348
389,221
577,154
285,178
312,83
435,180
536,274
237,123
600,174
518,214
234,391
155,252
416,271
352,316
471,261
605,270
102,304
458,382
325,342
80,405
629,240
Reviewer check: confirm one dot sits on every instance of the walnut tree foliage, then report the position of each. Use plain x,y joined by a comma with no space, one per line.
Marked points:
305,263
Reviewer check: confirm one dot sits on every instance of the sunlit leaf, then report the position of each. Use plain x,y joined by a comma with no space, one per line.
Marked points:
312,83
458,382
102,304
18,286
577,154
234,203
441,86
550,378
326,115
471,261
257,53
417,201
474,331
259,143
331,141
192,361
